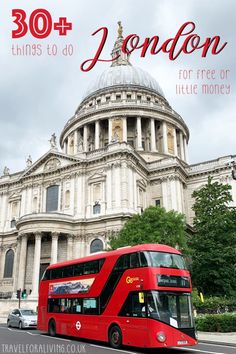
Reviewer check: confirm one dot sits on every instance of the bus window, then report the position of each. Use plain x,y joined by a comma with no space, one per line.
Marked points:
134,260
143,259
46,275
91,267
90,306
56,273
132,306
53,305
122,262
173,309
167,260
78,269
126,261
68,272
76,305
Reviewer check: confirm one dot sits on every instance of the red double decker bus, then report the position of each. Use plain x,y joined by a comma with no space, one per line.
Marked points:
138,296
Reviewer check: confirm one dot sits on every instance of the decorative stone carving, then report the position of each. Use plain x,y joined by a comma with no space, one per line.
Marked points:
170,139
117,130
6,171
52,164
29,161
53,142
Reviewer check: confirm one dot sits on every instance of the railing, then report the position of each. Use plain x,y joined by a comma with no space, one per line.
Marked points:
209,165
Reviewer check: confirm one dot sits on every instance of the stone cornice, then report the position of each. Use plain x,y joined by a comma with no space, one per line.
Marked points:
67,224
80,166
210,167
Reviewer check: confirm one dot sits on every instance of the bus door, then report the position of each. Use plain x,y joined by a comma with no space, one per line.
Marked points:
133,320
86,321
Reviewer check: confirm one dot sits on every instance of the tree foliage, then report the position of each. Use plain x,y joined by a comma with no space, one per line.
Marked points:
154,225
214,243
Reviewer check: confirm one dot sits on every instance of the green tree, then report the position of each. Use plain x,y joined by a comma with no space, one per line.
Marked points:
154,225
214,243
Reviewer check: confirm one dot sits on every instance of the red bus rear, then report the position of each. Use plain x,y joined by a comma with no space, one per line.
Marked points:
138,296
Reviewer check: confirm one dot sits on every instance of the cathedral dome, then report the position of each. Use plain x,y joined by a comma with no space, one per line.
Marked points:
124,75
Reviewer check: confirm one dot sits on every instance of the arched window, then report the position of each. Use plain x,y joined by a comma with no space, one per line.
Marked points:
9,261
13,223
52,198
96,246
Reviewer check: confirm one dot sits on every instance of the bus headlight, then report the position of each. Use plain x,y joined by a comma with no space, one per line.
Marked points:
161,337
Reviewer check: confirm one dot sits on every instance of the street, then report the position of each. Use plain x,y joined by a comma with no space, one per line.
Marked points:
13,340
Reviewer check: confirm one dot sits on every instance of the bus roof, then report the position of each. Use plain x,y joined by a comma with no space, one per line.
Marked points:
119,251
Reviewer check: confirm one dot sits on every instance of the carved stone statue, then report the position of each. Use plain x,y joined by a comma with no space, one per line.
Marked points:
53,141
6,171
115,138
29,161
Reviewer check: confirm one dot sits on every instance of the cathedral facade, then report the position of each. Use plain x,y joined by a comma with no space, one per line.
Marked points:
124,149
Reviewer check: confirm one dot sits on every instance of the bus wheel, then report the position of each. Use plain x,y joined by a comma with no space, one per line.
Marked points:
52,328
115,337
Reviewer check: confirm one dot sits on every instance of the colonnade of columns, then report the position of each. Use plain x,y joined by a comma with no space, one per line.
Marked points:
75,249
78,141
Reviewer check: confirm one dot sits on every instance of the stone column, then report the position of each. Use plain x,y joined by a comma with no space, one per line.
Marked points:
175,142
109,130
174,202
69,247
153,135
139,134
181,142
164,133
125,129
36,265
164,187
185,149
65,147
85,142
15,269
97,134
109,189
2,260
76,142
54,247
77,247
117,188
22,262
124,186
135,190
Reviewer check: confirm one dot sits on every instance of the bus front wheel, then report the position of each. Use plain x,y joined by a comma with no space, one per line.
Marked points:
52,328
115,337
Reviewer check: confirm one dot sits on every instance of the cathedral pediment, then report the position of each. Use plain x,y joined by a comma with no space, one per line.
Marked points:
97,177
14,197
50,162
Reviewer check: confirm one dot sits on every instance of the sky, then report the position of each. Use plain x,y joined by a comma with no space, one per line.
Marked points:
40,93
